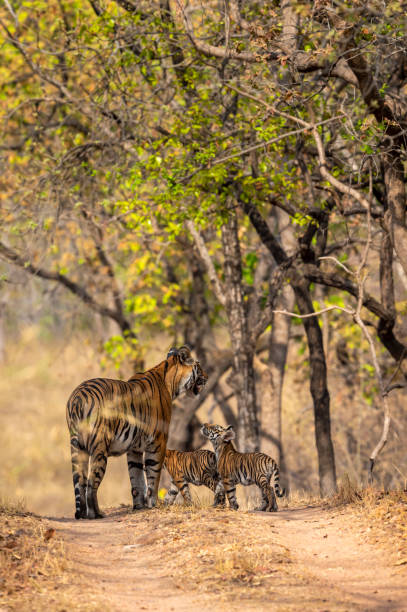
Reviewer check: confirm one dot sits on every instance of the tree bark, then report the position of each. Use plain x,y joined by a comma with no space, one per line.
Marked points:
184,431
278,348
271,405
396,201
243,352
319,390
318,380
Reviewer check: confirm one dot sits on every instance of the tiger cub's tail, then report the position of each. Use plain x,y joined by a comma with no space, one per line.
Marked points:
275,481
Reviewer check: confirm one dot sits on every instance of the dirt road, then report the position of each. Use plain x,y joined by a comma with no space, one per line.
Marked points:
205,559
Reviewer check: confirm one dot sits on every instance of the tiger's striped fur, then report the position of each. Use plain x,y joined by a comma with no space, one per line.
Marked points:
111,417
192,467
243,468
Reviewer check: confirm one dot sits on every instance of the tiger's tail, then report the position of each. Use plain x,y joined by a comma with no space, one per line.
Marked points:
280,492
80,460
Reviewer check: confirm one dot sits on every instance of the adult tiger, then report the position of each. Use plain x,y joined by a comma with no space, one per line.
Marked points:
243,468
111,417
192,467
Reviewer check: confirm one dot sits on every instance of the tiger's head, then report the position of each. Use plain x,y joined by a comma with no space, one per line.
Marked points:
217,434
187,373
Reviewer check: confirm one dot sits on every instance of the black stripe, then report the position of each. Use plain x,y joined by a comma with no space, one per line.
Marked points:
135,464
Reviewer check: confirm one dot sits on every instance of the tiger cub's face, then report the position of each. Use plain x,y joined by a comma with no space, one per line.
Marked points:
217,433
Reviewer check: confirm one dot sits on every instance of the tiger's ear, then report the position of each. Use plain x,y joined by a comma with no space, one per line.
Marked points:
229,434
172,351
184,354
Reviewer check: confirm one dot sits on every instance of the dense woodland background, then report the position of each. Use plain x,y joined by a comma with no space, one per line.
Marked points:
182,172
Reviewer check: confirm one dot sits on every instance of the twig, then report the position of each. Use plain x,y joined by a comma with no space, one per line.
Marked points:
206,258
313,314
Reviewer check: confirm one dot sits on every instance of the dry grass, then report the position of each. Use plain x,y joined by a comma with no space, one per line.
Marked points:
219,551
384,514
348,493
35,573
31,558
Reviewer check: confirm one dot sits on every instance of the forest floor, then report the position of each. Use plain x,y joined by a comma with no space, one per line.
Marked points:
321,557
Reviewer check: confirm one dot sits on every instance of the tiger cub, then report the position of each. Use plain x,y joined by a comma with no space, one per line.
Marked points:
195,467
243,468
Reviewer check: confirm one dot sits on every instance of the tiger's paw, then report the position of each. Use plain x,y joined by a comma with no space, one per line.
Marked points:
138,507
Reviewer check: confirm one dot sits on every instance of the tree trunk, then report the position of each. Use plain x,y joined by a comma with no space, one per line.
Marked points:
2,334
318,382
396,201
184,431
278,347
319,390
243,370
271,413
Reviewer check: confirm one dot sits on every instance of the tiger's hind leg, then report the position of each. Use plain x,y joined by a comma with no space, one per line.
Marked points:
180,485
80,461
137,478
171,494
269,498
153,461
185,492
96,471
264,503
230,488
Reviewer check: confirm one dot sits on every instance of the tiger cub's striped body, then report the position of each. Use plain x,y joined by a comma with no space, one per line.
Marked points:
110,417
192,467
243,468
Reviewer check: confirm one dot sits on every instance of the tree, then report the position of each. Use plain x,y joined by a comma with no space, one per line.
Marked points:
130,127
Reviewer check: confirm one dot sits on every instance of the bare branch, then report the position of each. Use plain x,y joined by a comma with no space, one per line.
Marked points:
346,189
338,263
313,314
78,290
212,50
287,46
206,258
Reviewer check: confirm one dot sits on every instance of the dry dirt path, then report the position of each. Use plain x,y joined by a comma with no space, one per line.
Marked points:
204,559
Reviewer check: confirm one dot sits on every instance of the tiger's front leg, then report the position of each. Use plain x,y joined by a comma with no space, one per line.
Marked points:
220,497
216,486
137,478
153,461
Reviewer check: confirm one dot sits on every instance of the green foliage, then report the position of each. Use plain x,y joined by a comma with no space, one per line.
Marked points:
120,131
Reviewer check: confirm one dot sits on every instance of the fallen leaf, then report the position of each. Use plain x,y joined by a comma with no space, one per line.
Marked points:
401,561
49,534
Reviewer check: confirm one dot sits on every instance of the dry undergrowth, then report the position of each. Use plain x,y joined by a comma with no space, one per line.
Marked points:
219,551
383,512
33,564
